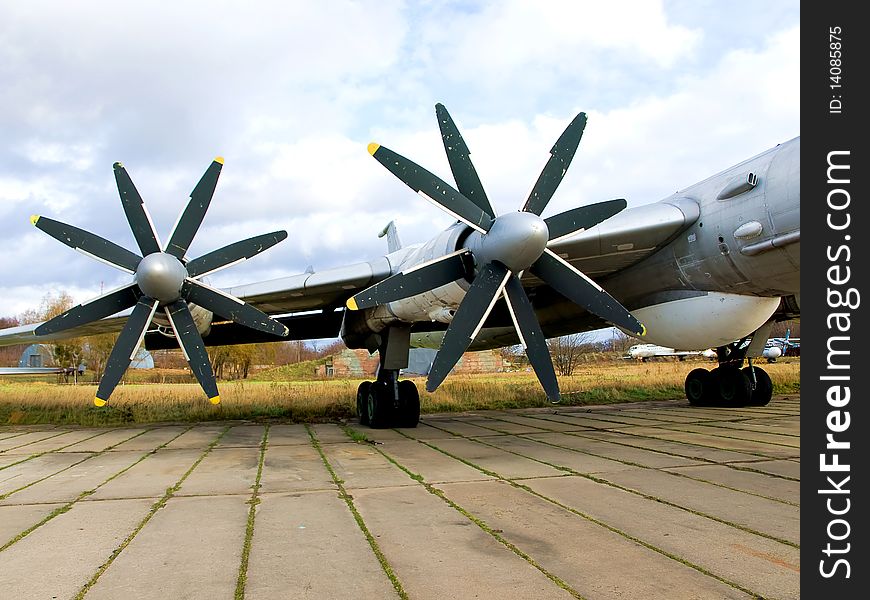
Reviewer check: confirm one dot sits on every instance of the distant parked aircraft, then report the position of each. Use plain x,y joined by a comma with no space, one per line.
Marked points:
646,351
779,346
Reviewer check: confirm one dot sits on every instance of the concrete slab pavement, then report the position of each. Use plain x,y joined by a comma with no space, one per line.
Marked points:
667,502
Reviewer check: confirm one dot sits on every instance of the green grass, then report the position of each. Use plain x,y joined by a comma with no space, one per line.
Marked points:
325,400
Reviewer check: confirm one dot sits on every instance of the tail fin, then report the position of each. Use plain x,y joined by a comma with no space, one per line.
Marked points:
393,241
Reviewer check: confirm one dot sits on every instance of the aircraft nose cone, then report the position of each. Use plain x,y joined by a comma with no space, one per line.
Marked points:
516,240
160,276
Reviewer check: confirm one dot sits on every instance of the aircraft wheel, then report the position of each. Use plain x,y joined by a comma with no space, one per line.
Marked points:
409,411
732,386
763,387
362,402
698,387
379,406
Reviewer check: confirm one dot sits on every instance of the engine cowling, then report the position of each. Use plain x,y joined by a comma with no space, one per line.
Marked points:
707,321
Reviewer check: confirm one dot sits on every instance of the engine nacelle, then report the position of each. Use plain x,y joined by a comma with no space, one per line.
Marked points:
772,353
439,304
202,318
709,321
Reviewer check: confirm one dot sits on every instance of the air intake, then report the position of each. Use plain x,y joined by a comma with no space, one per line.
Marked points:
739,185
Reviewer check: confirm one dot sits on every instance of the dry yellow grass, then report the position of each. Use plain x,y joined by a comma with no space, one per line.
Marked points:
37,402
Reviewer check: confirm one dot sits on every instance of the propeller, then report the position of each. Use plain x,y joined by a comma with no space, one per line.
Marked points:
163,279
498,251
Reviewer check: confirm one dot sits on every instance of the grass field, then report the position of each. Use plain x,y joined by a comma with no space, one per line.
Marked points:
33,402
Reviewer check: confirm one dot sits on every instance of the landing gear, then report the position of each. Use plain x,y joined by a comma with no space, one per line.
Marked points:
388,402
381,404
763,391
729,384
698,387
362,402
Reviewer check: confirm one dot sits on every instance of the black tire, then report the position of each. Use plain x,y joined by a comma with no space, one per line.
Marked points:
698,387
409,413
362,402
763,391
379,406
733,387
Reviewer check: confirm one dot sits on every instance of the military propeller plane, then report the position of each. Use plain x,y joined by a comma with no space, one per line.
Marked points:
713,263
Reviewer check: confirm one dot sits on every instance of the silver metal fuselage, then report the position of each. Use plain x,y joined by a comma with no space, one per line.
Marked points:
732,260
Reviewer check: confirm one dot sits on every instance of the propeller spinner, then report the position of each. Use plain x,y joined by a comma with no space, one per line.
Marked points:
502,248
162,279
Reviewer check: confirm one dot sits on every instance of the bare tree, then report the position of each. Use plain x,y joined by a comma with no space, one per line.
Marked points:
567,350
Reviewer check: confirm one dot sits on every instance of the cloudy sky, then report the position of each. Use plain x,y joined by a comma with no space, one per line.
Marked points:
291,93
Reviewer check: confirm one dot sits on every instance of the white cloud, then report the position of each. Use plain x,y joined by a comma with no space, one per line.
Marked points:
290,93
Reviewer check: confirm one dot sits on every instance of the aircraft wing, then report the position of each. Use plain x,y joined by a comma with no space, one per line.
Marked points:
315,295
309,300
24,333
312,291
627,237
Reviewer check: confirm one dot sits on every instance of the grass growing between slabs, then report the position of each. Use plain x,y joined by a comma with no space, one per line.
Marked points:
323,400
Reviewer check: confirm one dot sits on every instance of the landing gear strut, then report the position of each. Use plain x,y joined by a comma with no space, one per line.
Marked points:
388,402
730,384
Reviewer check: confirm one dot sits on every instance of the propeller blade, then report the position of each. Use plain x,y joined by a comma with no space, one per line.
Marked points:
432,188
577,287
560,158
193,347
137,215
191,218
88,243
416,280
473,311
531,337
572,221
92,310
230,307
125,348
463,169
233,253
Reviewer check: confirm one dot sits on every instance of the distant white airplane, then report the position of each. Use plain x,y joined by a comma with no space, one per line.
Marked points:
6,371
779,346
773,349
644,352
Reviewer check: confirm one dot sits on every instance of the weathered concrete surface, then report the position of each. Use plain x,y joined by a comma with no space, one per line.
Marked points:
151,477
756,483
309,546
105,440
435,551
153,438
699,484
15,519
294,468
190,549
69,484
615,451
549,533
223,471
755,563
779,520
494,459
26,473
57,559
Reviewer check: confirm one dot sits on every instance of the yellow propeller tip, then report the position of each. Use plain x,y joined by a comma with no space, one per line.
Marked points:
34,219
373,147
99,402
219,159
215,399
642,330
351,304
